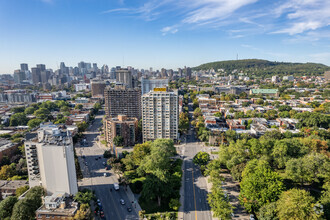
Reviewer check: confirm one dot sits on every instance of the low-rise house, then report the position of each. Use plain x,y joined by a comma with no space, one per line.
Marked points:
8,188
7,148
269,92
235,124
58,207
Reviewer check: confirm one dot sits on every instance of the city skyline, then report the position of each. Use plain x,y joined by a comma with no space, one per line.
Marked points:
158,34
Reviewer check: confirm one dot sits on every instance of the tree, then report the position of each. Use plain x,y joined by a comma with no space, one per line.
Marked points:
34,122
84,197
21,190
25,208
260,185
197,112
82,126
79,106
7,171
218,114
283,108
183,122
107,154
6,206
29,110
18,109
18,119
308,169
325,199
268,212
260,102
296,204
201,158
156,187
84,213
118,140
217,200
42,113
174,204
242,95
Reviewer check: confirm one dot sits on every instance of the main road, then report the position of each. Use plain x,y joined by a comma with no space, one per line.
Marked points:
194,183
91,163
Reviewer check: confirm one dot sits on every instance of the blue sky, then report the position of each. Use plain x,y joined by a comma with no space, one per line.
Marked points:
161,33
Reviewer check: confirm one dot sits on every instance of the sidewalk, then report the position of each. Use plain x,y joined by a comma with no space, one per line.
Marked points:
132,198
181,209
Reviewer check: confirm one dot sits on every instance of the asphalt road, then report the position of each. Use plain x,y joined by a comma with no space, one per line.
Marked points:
195,189
195,186
94,176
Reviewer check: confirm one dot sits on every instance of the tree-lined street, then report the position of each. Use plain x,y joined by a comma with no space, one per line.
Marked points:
91,162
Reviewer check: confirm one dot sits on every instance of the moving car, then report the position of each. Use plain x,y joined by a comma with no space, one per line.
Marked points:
122,201
116,186
129,209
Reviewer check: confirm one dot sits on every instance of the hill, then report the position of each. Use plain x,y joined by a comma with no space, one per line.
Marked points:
266,68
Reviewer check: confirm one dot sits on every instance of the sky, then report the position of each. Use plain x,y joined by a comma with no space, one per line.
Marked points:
161,33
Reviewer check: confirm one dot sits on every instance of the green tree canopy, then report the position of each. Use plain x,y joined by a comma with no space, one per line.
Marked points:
42,113
259,186
296,204
18,119
118,140
6,207
201,158
34,122
29,110
84,197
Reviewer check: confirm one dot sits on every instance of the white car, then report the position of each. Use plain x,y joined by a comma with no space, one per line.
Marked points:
104,174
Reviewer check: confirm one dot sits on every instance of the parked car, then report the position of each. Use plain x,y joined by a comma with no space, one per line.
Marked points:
122,201
252,217
116,186
104,174
129,209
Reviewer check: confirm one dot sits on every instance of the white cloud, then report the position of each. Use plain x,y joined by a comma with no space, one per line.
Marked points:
292,17
303,15
169,29
214,10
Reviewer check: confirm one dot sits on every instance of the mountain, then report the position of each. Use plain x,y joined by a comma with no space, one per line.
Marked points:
266,68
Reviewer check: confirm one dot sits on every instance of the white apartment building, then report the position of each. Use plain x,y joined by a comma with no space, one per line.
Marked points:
50,160
148,85
160,114
82,87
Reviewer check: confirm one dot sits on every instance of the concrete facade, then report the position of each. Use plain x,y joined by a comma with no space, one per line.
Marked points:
160,115
122,101
121,126
50,160
98,88
148,85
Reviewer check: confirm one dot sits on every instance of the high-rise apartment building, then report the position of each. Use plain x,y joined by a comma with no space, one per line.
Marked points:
36,75
121,100
98,88
148,85
44,76
42,67
50,160
160,114
24,67
124,76
187,71
121,126
19,76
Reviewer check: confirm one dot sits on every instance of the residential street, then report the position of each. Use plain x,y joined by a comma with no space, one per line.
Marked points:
93,172
195,204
